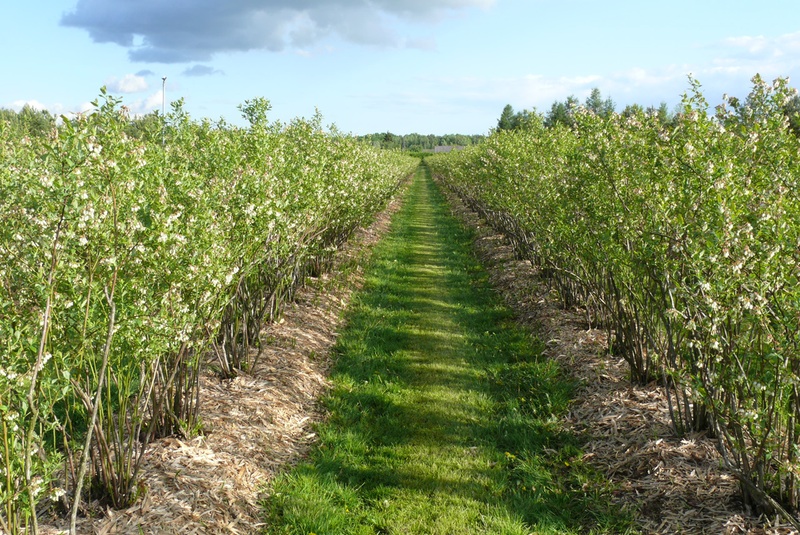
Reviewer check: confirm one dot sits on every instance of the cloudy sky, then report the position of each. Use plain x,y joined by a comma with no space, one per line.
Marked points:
428,66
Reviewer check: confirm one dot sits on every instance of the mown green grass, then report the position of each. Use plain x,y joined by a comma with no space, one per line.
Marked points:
443,416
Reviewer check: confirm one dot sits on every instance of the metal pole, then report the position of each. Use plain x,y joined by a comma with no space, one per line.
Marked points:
163,109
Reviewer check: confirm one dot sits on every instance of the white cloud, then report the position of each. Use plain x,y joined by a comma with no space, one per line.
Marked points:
195,30
80,109
527,91
737,60
772,56
85,107
753,45
643,77
421,43
137,106
764,47
201,70
130,83
146,105
56,109
35,104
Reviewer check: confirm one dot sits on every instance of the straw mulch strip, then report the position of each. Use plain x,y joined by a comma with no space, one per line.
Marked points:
254,425
673,484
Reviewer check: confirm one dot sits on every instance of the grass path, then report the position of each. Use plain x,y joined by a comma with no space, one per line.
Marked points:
443,415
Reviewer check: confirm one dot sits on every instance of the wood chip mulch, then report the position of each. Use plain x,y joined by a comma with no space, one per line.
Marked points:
257,424
254,425
673,484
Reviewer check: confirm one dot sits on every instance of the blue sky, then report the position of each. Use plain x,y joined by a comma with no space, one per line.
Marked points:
427,66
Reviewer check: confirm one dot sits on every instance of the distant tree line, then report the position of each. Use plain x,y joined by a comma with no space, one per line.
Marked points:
32,122
419,142
561,113
28,121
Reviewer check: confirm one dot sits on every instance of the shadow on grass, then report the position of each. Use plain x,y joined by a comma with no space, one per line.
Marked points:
443,417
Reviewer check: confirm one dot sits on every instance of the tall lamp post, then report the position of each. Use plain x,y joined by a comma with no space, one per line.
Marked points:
163,109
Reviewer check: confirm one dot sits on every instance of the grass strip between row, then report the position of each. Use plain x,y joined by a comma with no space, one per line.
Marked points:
443,414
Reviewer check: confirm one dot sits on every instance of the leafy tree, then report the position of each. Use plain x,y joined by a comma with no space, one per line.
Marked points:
415,142
792,112
29,121
145,127
595,103
36,122
561,113
632,110
521,120
507,119
663,113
